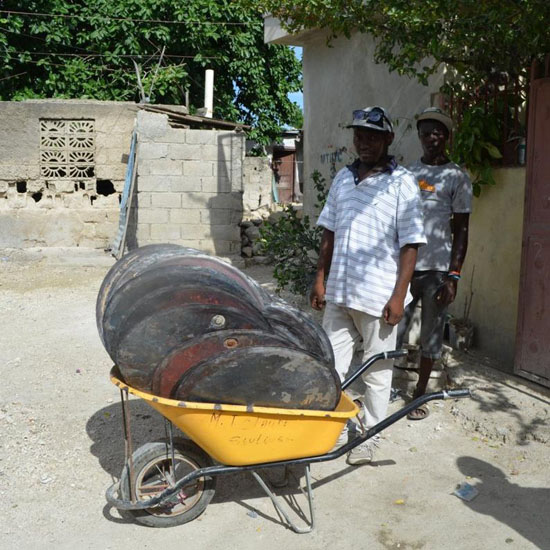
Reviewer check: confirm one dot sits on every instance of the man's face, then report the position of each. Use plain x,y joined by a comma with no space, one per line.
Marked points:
433,137
371,145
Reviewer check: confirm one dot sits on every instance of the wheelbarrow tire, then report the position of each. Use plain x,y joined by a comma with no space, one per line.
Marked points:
150,462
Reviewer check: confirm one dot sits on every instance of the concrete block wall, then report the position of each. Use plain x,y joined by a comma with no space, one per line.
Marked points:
39,211
189,186
190,189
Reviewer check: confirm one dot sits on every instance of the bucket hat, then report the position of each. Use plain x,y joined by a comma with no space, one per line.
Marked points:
435,113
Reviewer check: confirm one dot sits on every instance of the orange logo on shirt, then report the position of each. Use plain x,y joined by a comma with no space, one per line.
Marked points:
425,186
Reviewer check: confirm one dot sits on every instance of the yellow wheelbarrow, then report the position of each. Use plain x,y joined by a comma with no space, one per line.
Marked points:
171,482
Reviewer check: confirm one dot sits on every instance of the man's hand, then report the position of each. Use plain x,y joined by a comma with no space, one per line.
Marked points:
317,296
393,310
447,293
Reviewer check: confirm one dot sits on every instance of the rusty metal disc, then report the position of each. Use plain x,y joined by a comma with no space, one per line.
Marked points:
262,376
300,329
130,265
254,292
182,324
142,348
150,290
202,348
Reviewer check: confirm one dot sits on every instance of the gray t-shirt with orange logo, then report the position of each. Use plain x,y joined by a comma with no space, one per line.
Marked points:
445,190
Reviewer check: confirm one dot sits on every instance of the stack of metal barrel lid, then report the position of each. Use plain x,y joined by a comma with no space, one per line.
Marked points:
188,326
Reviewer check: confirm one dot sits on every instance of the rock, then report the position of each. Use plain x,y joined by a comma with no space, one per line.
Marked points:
247,251
262,260
257,260
45,479
276,216
252,232
257,248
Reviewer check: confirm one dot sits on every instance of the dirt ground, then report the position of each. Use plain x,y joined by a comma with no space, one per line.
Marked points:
62,446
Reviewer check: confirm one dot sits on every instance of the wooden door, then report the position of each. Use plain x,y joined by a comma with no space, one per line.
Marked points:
533,333
285,175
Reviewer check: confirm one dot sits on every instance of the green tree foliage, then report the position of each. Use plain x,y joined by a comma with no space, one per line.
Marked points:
89,49
481,43
474,37
474,145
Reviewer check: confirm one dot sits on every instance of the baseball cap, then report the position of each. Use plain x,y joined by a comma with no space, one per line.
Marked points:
375,118
435,113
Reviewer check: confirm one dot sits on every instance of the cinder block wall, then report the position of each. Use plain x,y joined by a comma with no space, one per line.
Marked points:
189,186
37,209
189,190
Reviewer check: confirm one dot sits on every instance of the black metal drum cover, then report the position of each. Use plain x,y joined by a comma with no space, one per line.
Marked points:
203,348
184,325
261,376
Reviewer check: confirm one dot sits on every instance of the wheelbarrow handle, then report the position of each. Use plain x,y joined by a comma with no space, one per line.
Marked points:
457,393
371,360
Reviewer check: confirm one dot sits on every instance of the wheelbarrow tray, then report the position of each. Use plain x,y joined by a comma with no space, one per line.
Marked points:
237,435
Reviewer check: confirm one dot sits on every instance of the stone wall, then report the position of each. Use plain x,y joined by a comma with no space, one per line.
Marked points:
190,186
62,167
257,196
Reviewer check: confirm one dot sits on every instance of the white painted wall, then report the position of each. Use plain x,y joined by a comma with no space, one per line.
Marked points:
342,78
338,79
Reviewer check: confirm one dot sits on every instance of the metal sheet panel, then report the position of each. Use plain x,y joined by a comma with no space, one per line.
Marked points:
533,334
534,349
286,172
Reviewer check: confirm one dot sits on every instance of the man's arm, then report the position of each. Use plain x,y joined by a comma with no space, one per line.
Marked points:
447,293
317,295
393,310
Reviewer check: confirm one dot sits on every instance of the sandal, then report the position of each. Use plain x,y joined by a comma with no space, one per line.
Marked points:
420,413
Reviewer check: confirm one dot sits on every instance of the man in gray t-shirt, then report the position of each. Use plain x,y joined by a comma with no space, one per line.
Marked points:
446,198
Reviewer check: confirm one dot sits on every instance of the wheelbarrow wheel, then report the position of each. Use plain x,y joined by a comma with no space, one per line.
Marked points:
153,473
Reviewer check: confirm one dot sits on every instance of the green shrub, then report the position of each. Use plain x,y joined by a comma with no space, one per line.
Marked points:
293,244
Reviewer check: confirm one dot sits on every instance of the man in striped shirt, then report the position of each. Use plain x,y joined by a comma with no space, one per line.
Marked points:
373,225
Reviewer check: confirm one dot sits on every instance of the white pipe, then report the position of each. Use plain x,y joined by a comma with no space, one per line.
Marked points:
209,93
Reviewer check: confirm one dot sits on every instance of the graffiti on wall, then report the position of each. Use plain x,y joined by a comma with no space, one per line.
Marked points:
335,158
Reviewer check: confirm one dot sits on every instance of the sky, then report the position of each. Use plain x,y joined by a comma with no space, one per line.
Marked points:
297,97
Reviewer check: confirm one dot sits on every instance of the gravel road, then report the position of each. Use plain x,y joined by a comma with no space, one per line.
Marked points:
61,447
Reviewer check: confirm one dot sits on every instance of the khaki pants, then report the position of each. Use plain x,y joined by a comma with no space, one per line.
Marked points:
345,328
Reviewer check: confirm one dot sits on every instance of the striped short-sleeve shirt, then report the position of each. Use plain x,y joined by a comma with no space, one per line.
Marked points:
372,220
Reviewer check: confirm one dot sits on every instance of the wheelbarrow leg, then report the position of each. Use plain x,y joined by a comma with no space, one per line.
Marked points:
169,429
128,445
308,493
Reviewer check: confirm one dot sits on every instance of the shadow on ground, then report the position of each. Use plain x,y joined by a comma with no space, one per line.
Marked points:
504,406
105,429
523,509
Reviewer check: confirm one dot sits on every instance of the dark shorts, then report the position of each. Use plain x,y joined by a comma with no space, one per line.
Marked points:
424,287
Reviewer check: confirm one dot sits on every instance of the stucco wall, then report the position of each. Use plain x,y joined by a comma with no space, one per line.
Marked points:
494,260
38,210
342,78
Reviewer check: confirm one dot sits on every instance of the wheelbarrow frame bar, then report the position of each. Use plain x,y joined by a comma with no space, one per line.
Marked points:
224,470
217,470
